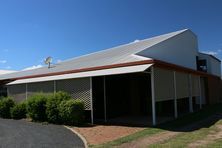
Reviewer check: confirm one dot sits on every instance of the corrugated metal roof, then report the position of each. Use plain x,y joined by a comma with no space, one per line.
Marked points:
2,72
111,71
121,54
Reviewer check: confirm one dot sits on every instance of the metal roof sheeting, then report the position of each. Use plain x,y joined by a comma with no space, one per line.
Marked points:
103,72
2,72
120,54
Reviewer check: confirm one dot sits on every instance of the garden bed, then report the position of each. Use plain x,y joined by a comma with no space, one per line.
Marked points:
99,134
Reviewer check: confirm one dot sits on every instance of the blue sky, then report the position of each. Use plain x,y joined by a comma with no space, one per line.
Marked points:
31,30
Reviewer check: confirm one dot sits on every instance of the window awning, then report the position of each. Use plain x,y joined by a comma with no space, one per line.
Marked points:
103,72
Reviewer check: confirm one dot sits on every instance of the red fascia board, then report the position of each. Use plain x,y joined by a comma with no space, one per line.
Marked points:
87,69
175,67
156,63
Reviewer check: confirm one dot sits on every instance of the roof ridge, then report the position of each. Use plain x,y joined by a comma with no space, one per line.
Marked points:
130,43
109,56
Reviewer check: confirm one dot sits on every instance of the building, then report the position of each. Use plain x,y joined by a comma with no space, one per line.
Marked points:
3,90
163,76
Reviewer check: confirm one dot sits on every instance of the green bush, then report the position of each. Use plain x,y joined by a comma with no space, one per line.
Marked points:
5,105
72,112
36,106
52,110
19,111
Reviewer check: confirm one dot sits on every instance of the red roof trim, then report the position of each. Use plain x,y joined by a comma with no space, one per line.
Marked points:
157,63
88,69
170,66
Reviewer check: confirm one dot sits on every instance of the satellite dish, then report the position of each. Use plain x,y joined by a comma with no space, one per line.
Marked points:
48,61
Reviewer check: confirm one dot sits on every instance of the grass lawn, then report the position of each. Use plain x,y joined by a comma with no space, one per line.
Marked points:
205,124
186,139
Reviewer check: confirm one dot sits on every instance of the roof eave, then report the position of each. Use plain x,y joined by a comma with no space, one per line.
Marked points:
156,63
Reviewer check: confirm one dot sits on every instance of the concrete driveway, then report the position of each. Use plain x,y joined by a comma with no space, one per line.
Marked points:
23,134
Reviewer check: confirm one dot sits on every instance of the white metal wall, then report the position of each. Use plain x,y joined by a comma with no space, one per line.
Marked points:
195,86
182,83
180,50
203,89
164,84
213,65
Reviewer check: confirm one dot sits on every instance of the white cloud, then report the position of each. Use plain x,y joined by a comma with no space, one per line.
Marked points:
211,52
3,61
33,67
218,51
136,41
58,61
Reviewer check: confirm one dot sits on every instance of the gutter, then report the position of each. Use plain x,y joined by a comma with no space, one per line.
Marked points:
157,63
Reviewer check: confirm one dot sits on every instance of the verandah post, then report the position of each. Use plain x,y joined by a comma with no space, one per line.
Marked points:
153,97
91,101
175,95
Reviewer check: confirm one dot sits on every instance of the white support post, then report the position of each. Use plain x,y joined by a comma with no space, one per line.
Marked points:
104,89
91,100
153,97
26,91
190,94
175,95
200,93
54,87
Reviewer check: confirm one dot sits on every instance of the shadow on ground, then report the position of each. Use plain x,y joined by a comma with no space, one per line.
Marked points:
203,118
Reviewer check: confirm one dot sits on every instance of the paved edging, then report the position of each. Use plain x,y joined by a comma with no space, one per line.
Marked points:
79,135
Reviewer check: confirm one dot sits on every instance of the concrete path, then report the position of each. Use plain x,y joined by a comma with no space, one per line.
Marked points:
23,134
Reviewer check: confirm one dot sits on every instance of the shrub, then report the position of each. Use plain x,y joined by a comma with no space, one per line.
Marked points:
5,105
72,112
19,111
52,110
36,106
